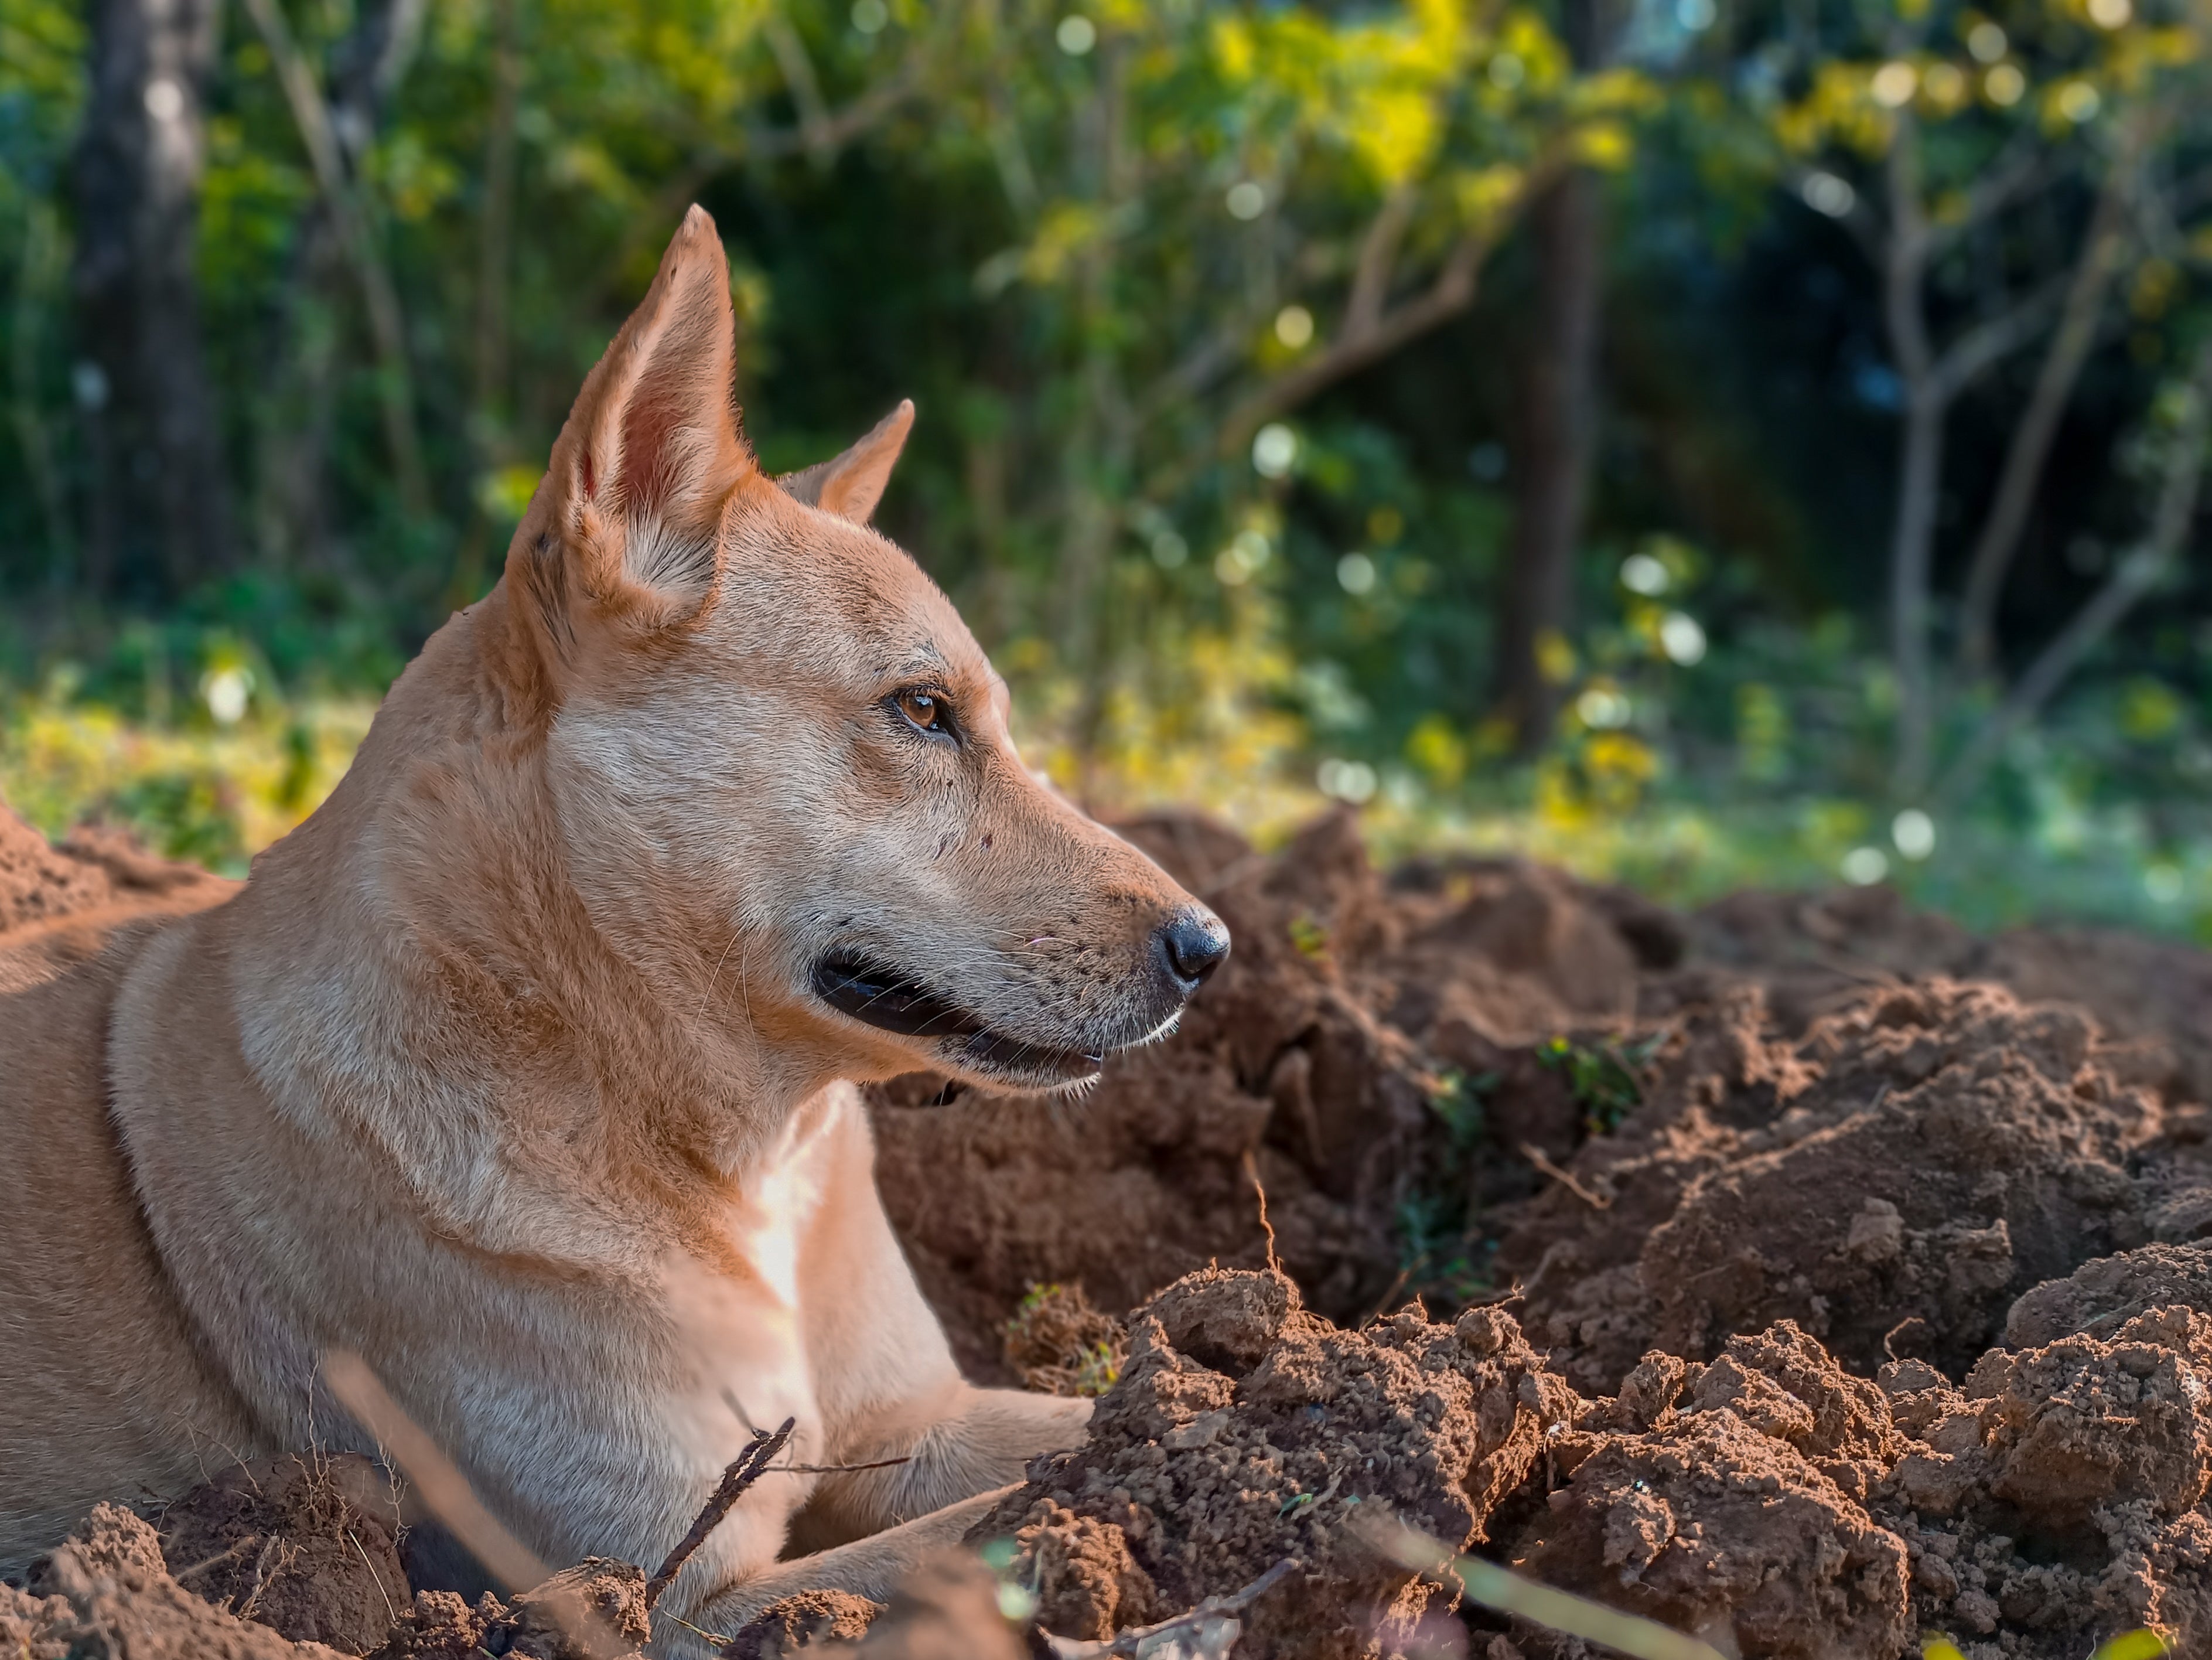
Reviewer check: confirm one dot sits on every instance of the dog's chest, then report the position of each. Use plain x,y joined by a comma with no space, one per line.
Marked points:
745,1301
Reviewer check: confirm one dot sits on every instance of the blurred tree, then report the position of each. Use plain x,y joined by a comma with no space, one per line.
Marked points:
368,64
1202,304
1966,134
160,518
1558,420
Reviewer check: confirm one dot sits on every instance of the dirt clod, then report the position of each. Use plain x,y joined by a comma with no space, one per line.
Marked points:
946,1610
304,1545
1207,1464
105,1595
801,1623
593,1611
1718,1525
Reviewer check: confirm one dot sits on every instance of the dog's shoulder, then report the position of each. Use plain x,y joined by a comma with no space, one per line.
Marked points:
101,1388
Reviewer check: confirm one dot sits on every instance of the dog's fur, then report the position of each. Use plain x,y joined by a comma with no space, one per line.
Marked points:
506,1071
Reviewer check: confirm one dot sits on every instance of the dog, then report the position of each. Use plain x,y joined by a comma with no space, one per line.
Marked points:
525,1067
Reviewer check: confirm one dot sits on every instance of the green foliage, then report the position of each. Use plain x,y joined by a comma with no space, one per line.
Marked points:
1459,1103
1601,1077
1123,255
1309,937
1441,1255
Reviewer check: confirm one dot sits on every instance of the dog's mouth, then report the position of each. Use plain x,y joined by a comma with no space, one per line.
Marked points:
891,1000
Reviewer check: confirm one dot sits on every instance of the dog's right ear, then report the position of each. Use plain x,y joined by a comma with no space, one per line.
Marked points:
628,518
850,485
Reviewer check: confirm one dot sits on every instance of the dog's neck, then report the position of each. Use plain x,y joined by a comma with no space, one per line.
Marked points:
420,971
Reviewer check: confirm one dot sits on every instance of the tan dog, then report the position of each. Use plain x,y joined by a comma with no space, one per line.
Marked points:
519,1067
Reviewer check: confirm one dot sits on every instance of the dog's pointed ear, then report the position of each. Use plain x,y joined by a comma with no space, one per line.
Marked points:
850,485
651,452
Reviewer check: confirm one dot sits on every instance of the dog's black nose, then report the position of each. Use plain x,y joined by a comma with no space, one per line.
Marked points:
1196,942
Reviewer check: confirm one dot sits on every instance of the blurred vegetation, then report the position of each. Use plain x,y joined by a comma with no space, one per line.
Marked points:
1228,329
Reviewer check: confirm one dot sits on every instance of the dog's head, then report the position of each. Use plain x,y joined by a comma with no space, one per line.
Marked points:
780,764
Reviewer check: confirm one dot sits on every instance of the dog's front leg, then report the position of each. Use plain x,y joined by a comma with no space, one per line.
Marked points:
871,1567
983,1442
865,1530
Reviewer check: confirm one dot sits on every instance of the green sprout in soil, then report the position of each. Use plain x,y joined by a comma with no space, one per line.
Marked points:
1309,936
1602,1076
1061,1344
1459,1103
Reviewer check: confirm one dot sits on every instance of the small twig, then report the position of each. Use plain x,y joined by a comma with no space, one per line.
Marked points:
220,1557
1383,1304
747,1467
1142,1637
1565,1178
390,1612
260,1579
1252,1169
835,1469
719,1643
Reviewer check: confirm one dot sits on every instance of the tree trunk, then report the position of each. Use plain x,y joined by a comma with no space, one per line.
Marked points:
1920,461
298,419
33,280
2102,245
2135,577
1552,470
1920,467
162,513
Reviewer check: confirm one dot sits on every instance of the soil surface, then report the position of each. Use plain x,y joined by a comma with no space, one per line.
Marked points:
1804,1272
58,902
306,1545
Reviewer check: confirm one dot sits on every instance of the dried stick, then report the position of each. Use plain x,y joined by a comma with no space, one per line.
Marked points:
1565,1178
747,1467
222,1556
1252,1169
1145,1638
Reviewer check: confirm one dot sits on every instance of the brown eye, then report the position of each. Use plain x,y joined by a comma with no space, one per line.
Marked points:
926,710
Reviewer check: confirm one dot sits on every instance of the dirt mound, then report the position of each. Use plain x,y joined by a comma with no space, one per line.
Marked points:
57,903
593,1611
947,1609
1724,1171
105,1594
39,882
1813,950
302,1544
1892,1181
1245,1430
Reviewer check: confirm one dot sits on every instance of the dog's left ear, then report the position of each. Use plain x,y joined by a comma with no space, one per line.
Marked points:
850,485
632,502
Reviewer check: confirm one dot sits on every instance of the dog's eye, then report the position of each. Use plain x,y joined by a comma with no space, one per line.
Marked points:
926,710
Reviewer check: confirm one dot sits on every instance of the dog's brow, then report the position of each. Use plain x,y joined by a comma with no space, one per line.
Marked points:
923,659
